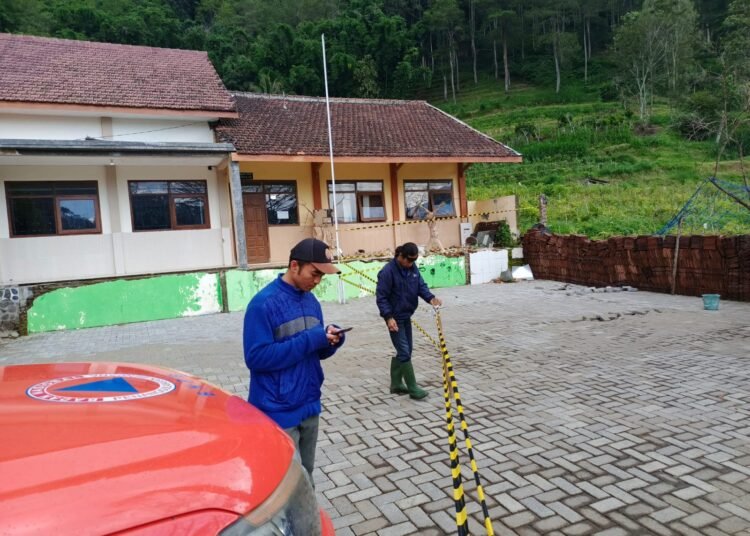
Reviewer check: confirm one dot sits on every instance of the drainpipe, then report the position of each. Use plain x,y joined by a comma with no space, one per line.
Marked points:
235,189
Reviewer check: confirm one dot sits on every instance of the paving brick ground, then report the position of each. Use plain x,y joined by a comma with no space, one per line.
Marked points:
590,413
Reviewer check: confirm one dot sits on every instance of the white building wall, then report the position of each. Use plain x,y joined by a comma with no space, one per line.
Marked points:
171,251
487,265
55,258
161,130
48,127
68,127
111,254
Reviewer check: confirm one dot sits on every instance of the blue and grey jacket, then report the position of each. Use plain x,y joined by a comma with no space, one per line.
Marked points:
398,289
284,339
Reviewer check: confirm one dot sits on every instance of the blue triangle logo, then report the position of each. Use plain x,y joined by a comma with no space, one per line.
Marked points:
115,385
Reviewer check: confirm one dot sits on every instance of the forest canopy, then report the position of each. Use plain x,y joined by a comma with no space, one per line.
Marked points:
691,52
395,48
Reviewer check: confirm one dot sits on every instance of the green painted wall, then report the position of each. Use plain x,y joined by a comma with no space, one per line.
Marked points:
243,285
441,272
438,272
124,301
174,296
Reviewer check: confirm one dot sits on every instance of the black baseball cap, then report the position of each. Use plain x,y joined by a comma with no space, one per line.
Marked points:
316,252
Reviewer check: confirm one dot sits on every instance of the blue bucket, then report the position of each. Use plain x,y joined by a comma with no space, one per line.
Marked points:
711,302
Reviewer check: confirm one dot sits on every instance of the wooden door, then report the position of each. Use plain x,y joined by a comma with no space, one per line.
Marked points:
256,227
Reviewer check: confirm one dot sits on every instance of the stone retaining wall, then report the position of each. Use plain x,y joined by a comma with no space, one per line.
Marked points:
12,302
705,264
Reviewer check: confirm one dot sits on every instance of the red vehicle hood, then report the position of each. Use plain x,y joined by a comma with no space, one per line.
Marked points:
103,447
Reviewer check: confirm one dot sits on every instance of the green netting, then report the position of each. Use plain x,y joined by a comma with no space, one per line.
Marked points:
716,207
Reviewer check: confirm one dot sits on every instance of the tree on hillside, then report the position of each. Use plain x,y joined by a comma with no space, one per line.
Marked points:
734,126
554,30
590,10
445,19
737,39
681,38
500,22
640,49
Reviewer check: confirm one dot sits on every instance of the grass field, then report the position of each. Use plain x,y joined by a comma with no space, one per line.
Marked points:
602,174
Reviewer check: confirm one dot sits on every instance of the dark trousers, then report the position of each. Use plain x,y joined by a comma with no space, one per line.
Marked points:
402,340
305,436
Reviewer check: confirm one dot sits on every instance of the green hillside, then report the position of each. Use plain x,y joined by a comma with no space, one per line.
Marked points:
602,174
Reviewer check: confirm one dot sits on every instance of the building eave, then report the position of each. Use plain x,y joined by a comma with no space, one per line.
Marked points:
243,157
103,110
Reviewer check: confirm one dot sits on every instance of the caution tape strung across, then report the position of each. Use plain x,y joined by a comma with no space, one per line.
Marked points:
361,273
449,385
411,222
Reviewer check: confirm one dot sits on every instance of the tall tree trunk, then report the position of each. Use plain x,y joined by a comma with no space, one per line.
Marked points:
455,63
453,83
506,68
445,86
585,56
555,53
432,56
494,57
473,43
523,33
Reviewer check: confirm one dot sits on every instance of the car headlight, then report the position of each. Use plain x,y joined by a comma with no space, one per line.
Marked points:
291,510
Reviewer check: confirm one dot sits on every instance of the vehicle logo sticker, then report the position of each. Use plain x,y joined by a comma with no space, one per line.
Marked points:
96,388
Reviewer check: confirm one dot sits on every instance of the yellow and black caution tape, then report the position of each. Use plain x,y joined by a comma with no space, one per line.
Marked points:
450,385
462,519
411,222
426,335
367,256
449,375
360,287
361,273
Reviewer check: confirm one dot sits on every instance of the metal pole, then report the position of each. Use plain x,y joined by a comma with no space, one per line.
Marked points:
676,255
342,295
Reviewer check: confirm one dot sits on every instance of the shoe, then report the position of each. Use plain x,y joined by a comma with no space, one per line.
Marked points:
397,385
415,391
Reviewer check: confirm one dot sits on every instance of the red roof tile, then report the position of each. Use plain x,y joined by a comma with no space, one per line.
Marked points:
296,126
61,71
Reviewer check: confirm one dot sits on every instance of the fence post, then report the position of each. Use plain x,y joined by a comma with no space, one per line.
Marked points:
543,209
676,255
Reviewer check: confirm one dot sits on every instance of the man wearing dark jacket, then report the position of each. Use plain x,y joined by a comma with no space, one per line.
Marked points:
284,339
399,286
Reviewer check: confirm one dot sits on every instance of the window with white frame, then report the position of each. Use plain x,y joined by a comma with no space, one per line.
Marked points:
358,201
423,196
53,208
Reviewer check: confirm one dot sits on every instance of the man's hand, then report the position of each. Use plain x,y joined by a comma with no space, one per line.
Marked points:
333,335
436,302
392,325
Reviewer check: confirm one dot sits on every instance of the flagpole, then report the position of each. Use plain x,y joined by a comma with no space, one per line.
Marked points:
342,295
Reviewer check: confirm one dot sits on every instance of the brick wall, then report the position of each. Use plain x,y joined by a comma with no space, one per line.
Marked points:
705,264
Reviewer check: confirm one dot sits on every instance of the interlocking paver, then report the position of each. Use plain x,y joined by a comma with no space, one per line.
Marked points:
635,424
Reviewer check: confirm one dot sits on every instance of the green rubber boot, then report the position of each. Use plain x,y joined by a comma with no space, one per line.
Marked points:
397,386
416,392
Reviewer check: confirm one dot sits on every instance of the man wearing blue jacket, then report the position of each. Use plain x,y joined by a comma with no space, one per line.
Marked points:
399,286
284,339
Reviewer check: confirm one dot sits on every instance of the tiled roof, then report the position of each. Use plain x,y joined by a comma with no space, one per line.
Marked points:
297,126
61,71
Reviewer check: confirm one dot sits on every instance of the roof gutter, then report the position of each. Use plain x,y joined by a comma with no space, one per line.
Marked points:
92,147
